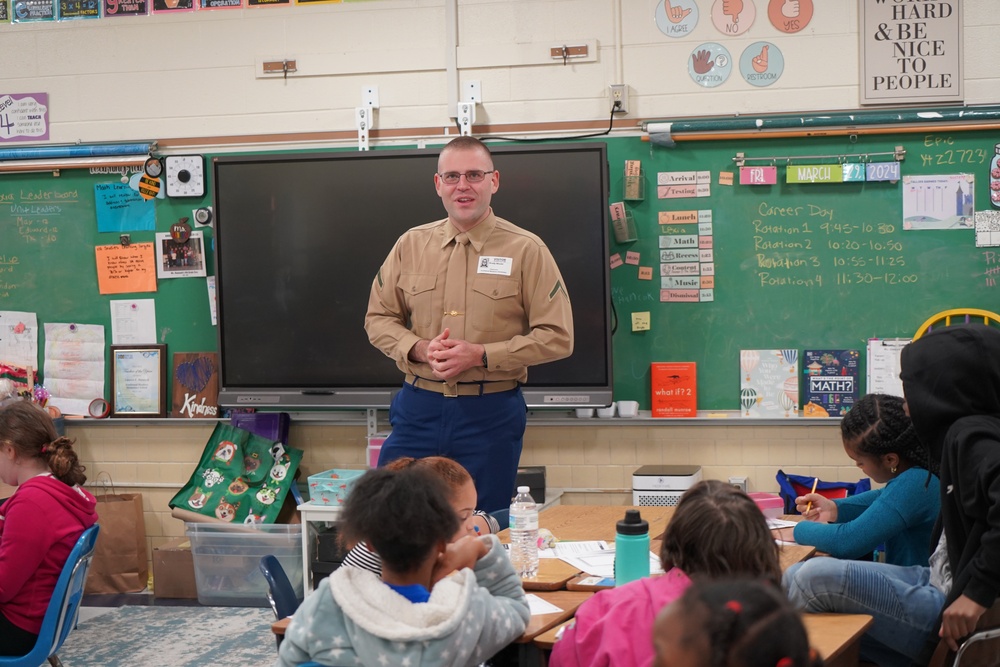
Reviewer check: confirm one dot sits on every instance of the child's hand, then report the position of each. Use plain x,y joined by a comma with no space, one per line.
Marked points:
822,508
959,620
462,553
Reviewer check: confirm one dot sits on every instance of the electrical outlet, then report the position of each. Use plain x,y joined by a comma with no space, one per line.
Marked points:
619,97
739,482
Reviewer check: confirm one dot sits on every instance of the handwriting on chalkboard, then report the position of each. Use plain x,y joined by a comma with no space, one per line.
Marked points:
8,268
802,246
123,269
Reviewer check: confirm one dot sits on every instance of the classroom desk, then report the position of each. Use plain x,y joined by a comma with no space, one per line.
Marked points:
594,522
597,522
836,637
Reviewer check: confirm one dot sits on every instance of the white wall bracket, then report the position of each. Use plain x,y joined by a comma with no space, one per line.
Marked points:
466,117
363,121
364,115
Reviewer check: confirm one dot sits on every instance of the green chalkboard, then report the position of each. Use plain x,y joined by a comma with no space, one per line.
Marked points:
797,266
48,235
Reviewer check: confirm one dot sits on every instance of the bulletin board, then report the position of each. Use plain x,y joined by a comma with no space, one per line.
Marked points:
48,266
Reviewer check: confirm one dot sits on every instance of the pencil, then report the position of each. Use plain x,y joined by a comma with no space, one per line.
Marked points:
810,503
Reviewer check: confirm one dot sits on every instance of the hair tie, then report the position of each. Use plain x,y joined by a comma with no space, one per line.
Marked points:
45,448
785,662
736,608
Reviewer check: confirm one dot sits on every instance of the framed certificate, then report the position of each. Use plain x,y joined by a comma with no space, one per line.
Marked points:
138,380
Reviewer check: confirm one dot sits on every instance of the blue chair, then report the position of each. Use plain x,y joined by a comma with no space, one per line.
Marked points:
60,617
280,593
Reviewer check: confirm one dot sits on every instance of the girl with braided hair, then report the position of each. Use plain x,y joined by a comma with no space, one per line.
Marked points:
732,623
40,523
879,437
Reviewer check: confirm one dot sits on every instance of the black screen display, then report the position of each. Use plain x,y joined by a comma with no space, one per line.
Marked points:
300,237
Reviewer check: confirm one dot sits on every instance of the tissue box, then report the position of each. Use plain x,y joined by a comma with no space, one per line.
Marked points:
770,504
332,486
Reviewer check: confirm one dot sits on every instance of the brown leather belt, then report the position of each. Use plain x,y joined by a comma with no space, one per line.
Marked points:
462,388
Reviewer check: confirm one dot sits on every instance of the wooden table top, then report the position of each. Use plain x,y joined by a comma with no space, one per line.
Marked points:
832,634
570,523
568,601
553,573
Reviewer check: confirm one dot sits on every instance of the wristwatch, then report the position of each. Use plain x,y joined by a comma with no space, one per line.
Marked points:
486,364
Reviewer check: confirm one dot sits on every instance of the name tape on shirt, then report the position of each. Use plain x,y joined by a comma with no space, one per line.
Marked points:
497,266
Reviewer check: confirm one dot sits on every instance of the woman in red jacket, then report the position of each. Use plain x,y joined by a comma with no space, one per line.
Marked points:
40,523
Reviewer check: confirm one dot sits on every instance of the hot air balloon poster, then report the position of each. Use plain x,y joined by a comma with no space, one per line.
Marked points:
831,385
769,383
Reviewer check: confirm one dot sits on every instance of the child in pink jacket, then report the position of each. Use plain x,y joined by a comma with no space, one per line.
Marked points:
716,531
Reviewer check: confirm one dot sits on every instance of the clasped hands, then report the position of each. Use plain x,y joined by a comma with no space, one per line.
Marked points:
448,357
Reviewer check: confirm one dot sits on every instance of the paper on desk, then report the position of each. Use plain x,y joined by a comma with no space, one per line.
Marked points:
539,606
602,563
774,524
562,549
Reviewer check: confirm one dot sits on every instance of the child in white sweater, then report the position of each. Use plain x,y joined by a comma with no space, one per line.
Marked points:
421,611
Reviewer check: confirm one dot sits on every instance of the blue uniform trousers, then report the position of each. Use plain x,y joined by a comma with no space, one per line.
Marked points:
483,433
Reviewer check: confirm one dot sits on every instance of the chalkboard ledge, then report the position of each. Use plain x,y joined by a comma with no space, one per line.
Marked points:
645,418
535,417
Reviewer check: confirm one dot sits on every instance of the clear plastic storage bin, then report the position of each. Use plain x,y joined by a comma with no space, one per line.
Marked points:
227,560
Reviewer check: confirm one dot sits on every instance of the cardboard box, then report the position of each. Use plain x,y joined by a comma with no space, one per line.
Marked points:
173,570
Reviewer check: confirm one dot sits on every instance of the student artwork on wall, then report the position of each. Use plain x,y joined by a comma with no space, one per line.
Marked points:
180,259
769,383
831,382
196,385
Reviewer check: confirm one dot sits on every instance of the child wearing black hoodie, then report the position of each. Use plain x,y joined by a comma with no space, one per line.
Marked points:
951,381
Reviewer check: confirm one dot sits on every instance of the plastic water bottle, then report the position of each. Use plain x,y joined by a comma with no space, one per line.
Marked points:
524,533
631,548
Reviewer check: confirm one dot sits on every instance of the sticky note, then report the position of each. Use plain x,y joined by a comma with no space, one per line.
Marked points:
616,260
632,257
645,273
640,321
725,178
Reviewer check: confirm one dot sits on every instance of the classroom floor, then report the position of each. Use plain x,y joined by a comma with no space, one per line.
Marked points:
95,605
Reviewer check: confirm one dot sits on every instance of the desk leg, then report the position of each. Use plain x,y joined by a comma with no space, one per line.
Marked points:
307,582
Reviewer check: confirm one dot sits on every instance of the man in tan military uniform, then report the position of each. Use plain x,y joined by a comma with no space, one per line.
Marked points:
464,305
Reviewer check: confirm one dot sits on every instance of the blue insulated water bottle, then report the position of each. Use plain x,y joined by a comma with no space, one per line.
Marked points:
631,548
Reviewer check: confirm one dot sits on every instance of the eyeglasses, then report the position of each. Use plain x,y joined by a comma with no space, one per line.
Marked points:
474,176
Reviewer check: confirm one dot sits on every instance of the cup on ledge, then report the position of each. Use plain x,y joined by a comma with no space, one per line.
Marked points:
584,413
628,409
606,413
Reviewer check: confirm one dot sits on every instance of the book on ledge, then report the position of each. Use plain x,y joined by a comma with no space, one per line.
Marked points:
674,389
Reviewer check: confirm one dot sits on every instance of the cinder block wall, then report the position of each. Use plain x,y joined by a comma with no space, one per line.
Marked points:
592,462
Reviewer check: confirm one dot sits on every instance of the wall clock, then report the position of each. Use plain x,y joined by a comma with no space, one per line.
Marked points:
184,175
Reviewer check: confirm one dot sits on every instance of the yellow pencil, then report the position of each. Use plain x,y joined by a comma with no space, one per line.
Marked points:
810,503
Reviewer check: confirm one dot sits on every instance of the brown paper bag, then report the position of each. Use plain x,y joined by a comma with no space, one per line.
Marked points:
120,563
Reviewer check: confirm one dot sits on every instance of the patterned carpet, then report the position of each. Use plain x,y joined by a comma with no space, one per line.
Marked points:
135,636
